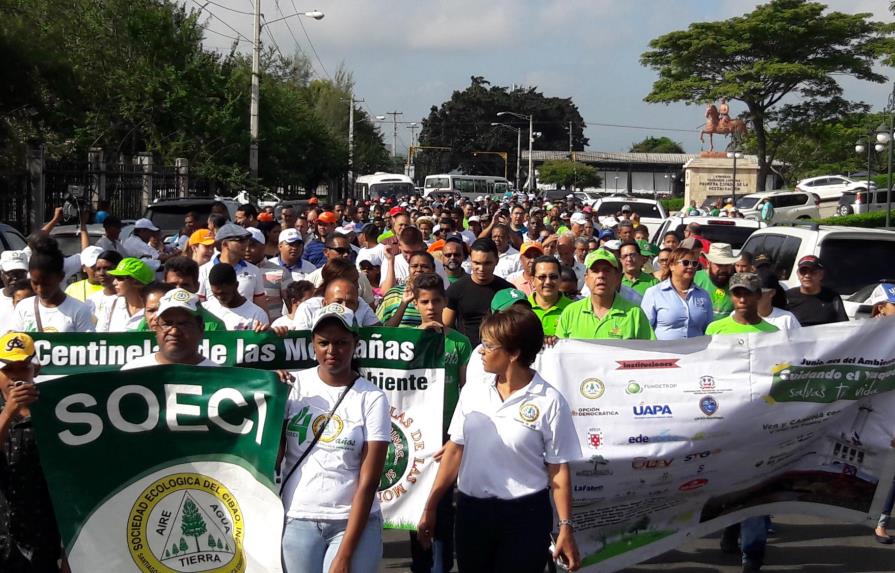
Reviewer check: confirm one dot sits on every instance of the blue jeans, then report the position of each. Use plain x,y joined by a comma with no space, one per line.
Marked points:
754,539
310,546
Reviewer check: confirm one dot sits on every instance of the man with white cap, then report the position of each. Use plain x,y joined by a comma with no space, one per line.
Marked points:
232,241
715,280
137,245
83,289
579,221
291,246
178,331
14,267
882,300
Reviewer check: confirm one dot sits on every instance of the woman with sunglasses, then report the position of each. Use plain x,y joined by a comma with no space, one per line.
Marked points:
676,307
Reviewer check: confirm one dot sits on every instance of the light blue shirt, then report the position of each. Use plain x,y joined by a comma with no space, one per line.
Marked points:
673,318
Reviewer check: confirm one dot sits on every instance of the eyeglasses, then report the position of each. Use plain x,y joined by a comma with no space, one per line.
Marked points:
340,250
662,261
545,278
687,263
166,326
490,347
628,256
451,255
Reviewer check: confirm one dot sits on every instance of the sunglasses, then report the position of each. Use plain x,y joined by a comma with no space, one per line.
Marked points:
544,278
687,263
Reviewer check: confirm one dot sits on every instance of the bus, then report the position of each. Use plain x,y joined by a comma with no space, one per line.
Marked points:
469,186
383,185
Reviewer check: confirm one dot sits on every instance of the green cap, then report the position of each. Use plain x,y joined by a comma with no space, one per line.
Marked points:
504,299
135,269
601,255
647,249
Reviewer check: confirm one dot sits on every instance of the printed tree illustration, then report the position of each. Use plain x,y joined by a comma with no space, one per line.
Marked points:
183,545
211,542
192,524
221,545
174,549
167,553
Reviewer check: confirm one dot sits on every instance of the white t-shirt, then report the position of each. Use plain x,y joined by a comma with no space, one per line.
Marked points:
151,360
118,318
299,270
243,317
507,263
70,316
364,290
6,313
306,311
284,321
782,319
532,426
402,271
100,305
373,254
248,276
135,247
325,484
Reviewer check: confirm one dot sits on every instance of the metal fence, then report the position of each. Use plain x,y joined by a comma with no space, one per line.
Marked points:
15,199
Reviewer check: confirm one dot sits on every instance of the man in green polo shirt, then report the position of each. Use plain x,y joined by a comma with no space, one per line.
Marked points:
605,315
745,291
547,302
715,280
632,260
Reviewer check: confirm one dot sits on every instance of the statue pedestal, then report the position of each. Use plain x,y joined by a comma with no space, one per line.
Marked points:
710,176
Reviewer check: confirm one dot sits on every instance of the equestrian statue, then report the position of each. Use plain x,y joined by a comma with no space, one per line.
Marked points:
717,120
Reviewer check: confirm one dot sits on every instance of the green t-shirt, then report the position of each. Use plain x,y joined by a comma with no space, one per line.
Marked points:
212,323
641,283
389,306
549,316
728,325
721,301
452,280
82,290
624,320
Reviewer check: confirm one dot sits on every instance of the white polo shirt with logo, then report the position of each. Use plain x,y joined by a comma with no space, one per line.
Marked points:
533,426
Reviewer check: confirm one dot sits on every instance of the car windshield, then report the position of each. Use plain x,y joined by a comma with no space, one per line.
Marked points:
747,202
846,272
387,190
730,234
170,217
609,208
438,183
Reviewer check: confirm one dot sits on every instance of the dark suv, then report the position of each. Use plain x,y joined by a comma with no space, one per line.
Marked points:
168,214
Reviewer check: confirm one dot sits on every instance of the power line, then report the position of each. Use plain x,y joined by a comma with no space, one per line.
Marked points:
272,39
234,38
288,27
219,19
310,43
229,8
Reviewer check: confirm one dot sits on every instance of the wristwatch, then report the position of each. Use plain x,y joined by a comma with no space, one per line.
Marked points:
568,522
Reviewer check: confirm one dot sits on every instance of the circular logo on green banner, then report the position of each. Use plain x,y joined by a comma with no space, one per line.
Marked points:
396,460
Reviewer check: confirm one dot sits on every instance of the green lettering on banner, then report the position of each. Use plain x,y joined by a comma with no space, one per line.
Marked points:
827,383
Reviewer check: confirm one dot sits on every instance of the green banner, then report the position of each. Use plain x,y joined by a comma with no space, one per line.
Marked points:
169,468
75,353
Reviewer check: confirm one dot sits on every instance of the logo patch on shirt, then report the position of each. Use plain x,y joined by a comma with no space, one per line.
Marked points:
529,412
333,429
592,388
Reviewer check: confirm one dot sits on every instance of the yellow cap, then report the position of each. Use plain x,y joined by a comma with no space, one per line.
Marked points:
16,347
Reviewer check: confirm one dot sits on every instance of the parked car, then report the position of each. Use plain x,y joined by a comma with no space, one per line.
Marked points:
853,257
11,239
788,205
714,229
831,187
652,213
69,237
168,214
858,202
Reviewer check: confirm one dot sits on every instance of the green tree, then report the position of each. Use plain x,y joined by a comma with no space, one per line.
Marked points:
192,524
782,48
463,124
211,542
220,545
657,145
568,174
174,549
183,545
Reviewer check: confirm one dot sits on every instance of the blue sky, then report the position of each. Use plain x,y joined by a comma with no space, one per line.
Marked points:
408,55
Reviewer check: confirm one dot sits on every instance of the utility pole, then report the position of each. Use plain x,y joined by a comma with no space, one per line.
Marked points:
531,141
412,127
394,115
351,173
256,95
570,140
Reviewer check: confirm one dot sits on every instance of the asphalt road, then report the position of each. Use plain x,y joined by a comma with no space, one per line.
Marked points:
801,543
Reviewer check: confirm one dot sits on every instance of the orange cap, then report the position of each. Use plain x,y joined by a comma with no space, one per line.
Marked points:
436,246
201,237
327,217
313,201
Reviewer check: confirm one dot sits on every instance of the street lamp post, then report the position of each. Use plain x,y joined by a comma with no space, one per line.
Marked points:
531,140
733,184
868,144
518,148
885,136
256,82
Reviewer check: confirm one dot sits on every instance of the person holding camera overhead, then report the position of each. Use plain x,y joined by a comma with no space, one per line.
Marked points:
511,441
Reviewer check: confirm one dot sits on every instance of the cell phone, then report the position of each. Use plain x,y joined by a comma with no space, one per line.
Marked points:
18,383
560,561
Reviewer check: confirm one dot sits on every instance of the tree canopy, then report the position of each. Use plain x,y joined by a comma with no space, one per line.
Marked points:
568,174
657,145
463,124
133,75
782,48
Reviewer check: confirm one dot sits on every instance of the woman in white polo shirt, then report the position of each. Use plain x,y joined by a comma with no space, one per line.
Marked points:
512,438
337,434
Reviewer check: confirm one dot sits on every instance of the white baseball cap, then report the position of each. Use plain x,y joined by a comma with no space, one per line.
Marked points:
13,261
578,219
145,224
178,298
335,310
256,234
90,255
290,236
